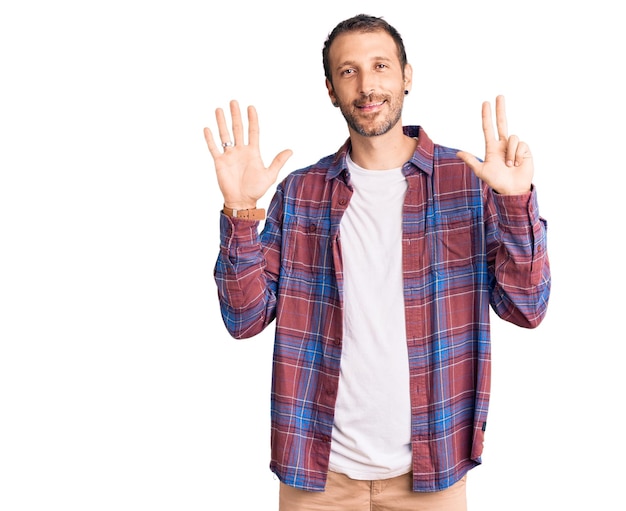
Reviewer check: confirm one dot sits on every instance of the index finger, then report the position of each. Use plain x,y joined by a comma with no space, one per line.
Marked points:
487,123
253,126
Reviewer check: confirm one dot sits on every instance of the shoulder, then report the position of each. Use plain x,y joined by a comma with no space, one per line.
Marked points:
316,172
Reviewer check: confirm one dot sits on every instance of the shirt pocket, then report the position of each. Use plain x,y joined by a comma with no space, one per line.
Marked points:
456,245
307,251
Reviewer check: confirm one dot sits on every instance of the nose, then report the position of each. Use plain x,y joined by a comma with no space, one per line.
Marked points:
367,84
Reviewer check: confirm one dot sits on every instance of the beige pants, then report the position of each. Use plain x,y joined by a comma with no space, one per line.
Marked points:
345,494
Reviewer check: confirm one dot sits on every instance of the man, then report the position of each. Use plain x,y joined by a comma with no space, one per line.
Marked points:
379,264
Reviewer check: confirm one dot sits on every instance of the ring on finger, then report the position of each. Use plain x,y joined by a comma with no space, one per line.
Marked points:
227,144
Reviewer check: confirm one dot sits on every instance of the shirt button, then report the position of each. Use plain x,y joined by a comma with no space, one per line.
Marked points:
342,202
312,228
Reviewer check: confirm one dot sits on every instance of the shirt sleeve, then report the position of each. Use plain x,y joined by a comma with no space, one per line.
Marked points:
517,257
246,272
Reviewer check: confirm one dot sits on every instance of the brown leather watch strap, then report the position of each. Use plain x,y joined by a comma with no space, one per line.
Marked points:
245,214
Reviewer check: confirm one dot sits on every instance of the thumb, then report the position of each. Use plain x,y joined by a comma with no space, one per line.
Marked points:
280,159
469,159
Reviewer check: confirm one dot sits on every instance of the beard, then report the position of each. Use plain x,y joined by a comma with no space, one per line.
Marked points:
373,126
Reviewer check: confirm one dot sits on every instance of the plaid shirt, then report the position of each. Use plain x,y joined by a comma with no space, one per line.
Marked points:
464,248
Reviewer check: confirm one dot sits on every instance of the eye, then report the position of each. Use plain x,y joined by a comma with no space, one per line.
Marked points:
381,66
347,72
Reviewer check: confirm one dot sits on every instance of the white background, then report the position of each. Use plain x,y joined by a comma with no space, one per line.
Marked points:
119,386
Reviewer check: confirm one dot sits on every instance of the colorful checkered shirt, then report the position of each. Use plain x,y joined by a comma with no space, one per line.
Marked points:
465,248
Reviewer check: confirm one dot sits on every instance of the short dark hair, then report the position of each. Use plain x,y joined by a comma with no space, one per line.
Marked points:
362,23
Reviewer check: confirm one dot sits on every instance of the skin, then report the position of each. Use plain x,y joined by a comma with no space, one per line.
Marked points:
368,85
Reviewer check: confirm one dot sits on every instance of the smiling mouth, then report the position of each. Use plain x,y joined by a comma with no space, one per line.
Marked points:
370,106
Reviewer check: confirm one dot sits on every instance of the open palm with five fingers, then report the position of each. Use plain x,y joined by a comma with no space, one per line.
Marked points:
242,177
508,165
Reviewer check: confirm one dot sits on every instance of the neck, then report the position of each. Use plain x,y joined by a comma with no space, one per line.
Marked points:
388,151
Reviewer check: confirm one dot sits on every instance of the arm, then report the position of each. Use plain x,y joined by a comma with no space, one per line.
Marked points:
246,272
517,254
517,258
246,289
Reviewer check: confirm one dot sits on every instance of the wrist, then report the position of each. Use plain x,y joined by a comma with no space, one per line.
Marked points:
240,204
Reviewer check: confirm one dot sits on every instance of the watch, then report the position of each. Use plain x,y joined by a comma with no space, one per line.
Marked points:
245,214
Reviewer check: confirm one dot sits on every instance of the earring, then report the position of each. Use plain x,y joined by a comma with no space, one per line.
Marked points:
406,92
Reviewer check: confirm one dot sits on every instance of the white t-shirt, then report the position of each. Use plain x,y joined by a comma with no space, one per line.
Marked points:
372,431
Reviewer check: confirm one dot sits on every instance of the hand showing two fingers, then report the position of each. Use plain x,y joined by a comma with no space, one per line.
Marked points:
508,165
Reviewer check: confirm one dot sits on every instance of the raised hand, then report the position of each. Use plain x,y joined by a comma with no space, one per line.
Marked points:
508,165
241,174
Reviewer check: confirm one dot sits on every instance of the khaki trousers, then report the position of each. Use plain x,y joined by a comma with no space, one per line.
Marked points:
395,494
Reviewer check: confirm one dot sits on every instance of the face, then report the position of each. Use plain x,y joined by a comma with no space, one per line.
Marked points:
368,82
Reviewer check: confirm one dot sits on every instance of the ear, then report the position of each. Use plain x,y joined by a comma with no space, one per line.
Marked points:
331,92
408,77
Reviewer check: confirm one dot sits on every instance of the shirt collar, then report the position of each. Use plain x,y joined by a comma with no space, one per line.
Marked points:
422,158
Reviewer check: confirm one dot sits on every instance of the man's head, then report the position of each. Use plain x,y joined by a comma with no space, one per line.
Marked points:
367,74
362,23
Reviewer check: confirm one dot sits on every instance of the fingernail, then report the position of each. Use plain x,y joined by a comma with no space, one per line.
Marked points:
509,163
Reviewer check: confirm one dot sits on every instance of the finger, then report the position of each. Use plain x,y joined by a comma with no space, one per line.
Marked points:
237,122
511,150
522,153
253,126
503,130
280,160
487,123
470,160
210,142
222,127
